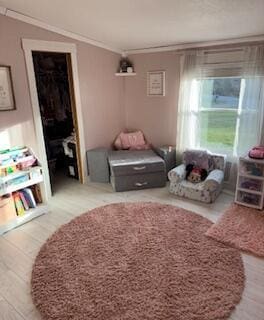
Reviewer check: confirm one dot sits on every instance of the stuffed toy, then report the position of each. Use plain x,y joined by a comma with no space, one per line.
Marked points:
195,174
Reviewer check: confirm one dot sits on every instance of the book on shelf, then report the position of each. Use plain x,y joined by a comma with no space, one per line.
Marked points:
36,193
23,199
28,194
15,160
18,204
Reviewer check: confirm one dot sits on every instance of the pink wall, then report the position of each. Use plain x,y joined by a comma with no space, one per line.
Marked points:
156,116
109,103
101,91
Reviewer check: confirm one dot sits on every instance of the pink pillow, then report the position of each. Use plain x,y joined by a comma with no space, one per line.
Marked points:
132,139
145,146
118,143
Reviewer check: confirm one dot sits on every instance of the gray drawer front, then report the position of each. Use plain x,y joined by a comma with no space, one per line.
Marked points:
139,181
137,168
123,163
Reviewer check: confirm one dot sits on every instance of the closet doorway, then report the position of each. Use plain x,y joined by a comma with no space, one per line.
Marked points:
52,68
57,110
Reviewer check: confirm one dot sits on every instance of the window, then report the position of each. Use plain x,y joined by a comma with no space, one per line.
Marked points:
221,101
218,106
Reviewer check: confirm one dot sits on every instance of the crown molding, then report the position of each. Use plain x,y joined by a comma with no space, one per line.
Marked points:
194,45
3,10
203,44
27,19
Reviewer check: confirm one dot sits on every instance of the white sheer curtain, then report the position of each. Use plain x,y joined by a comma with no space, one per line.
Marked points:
250,124
188,106
244,63
251,101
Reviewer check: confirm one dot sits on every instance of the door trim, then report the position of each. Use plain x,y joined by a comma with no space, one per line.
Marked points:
28,46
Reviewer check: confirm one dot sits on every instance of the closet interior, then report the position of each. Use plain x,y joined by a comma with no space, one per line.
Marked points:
56,109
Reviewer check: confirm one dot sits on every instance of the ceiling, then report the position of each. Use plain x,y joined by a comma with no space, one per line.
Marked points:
137,24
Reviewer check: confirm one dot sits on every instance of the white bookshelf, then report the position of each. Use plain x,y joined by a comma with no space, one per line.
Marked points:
20,186
250,183
8,184
29,215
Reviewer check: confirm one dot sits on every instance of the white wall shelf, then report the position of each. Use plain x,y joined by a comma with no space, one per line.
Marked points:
125,74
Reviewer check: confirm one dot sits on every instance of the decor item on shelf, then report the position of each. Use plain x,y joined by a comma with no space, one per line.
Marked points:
129,69
150,254
257,152
205,191
7,98
242,228
250,183
20,193
156,83
124,64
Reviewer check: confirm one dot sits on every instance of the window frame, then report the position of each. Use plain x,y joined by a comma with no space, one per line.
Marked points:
220,149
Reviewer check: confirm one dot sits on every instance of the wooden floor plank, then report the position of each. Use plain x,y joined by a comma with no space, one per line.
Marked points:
12,258
23,241
7,312
16,292
19,247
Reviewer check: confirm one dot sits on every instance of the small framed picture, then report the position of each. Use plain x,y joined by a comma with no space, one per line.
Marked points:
156,83
7,99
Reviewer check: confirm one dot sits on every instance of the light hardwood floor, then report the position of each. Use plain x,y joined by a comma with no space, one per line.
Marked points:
19,247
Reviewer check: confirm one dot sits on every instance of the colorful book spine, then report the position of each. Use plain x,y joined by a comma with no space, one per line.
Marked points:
18,204
24,201
36,193
28,194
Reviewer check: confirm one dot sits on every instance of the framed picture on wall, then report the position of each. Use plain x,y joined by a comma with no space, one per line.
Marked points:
7,99
156,83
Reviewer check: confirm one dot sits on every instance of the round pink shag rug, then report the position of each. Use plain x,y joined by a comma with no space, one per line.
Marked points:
136,261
